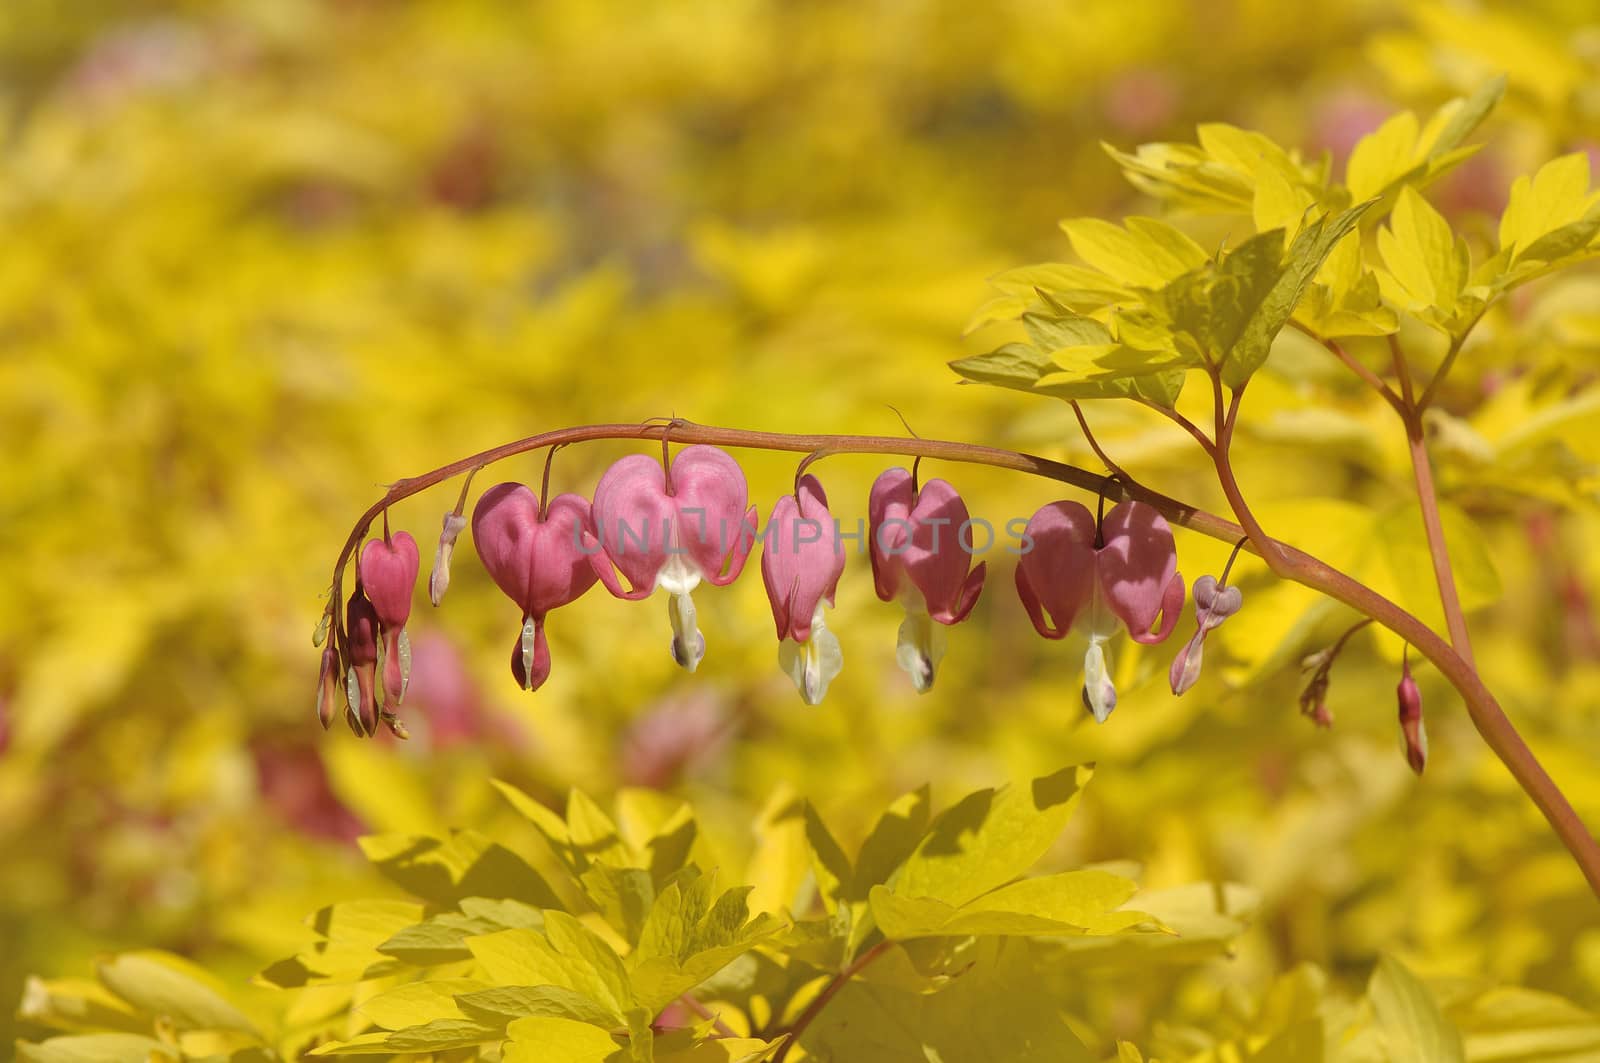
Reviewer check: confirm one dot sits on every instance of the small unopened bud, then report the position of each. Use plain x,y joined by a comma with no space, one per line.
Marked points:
328,686
1185,671
1413,735
361,642
321,633
439,578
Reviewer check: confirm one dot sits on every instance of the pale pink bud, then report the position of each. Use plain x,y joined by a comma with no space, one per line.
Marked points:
1413,735
439,575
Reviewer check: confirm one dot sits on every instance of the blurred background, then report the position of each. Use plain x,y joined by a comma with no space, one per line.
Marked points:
260,257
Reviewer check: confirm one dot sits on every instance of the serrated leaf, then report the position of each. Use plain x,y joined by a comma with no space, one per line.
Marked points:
546,1040
445,870
1146,254
1076,902
1306,254
416,1003
1409,1019
1425,259
173,990
442,939
1052,332
1015,365
687,939
523,957
990,837
502,1004
1382,157
440,1035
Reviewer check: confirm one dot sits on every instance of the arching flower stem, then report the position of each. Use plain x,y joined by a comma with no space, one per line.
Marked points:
1285,561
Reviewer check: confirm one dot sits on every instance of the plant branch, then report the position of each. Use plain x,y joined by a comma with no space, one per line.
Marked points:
834,985
1284,560
1456,343
1094,445
1372,379
1182,422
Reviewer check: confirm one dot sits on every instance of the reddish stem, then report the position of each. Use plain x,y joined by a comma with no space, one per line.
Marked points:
837,983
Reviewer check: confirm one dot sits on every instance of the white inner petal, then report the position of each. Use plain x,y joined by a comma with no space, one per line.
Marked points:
920,647
812,664
1098,692
529,644
688,645
679,575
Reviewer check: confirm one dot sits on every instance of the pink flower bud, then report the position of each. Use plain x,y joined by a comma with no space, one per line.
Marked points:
1413,735
361,646
1185,670
389,575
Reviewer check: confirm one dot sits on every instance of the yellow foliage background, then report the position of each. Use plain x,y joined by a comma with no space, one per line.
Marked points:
259,258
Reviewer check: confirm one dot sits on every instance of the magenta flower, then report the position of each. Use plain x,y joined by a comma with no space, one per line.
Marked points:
919,557
672,532
1413,735
801,561
389,573
361,650
537,559
1126,570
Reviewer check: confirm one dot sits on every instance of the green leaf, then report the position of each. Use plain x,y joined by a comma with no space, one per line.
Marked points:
418,1002
1426,261
1049,332
547,1040
1383,157
1409,1019
990,838
1015,365
1306,254
998,1009
1076,902
1552,214
1146,254
1402,540
173,990
1456,120
570,958
465,865
715,1050
502,1004
440,1035
77,1004
442,939
687,939
828,863
892,840
96,1048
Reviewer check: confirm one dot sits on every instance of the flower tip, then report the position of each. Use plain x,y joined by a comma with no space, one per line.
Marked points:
688,651
1185,671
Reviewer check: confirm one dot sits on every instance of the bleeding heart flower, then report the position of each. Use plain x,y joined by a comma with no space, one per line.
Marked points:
801,561
361,651
918,558
1413,735
672,532
1212,605
328,683
389,574
537,559
1126,570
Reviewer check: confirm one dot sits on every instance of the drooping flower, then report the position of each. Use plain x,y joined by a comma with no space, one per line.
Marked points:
1125,571
361,651
389,573
801,561
672,532
919,558
1413,735
1212,605
537,559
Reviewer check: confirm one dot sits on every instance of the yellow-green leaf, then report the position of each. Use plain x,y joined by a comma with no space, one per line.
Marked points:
1409,1019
